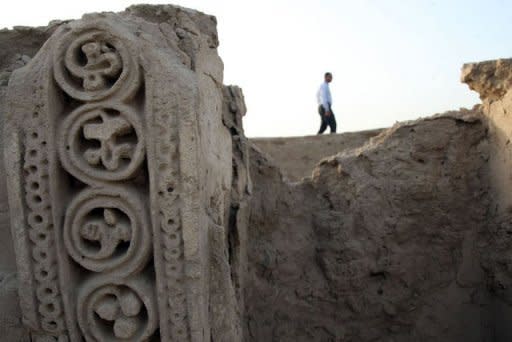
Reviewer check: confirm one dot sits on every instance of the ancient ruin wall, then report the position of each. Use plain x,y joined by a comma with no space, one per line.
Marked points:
404,237
382,243
493,81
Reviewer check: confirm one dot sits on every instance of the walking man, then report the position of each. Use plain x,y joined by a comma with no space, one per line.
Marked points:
324,105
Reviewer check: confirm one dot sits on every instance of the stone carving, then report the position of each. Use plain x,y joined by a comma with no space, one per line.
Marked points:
102,63
41,229
111,311
170,234
116,201
107,230
92,63
102,142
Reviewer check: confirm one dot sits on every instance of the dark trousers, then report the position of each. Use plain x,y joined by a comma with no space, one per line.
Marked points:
326,120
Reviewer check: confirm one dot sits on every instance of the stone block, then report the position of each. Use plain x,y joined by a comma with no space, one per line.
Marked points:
119,172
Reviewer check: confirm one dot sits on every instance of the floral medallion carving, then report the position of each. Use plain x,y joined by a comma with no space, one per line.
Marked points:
91,64
117,311
108,230
102,142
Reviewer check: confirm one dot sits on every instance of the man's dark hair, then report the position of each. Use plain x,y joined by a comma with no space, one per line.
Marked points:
327,74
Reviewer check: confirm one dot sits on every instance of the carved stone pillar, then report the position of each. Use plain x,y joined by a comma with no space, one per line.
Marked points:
118,166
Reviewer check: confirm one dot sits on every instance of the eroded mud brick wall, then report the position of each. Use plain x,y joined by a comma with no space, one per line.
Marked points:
384,242
119,169
493,81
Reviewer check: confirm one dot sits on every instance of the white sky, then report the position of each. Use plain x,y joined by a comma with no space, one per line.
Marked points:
391,60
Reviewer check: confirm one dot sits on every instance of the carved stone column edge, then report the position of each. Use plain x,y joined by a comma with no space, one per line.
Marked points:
27,159
173,158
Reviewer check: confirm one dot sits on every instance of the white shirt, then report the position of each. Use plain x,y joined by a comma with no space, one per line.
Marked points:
323,96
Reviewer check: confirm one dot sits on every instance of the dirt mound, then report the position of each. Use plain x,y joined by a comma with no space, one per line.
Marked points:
298,156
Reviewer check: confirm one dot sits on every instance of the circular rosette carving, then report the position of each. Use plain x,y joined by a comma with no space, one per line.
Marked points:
92,63
108,230
114,311
102,142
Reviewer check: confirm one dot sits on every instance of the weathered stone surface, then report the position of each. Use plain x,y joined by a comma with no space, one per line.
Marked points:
17,46
491,79
120,168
